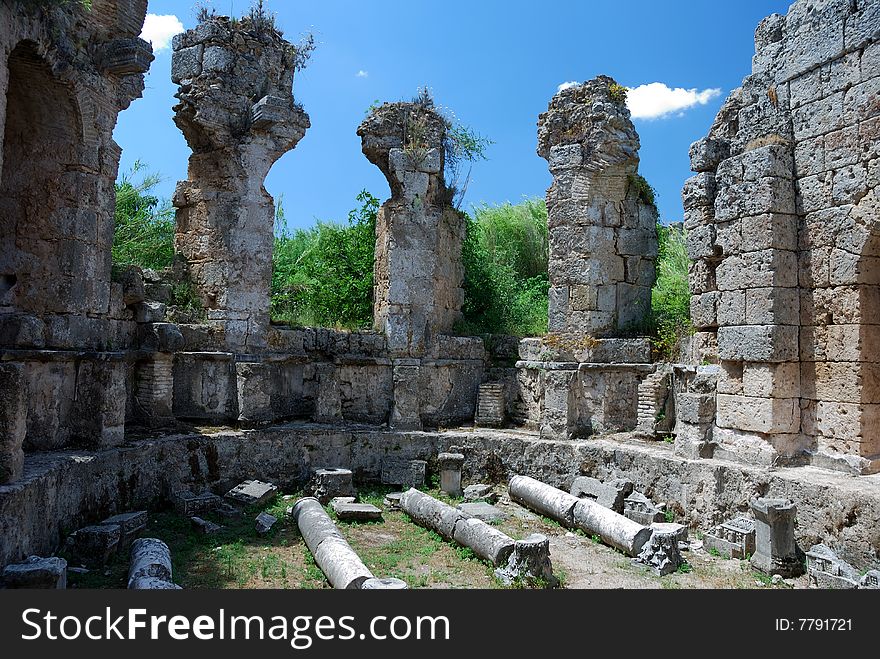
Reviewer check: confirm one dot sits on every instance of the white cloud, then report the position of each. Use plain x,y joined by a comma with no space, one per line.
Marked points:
362,74
657,100
159,30
567,85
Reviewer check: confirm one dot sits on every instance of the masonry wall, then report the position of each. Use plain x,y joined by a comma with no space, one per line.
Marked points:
781,218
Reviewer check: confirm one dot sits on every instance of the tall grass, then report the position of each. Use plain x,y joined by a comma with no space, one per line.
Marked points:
670,320
505,255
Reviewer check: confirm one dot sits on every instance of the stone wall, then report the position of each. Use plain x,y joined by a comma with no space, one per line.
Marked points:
603,238
65,74
238,116
781,221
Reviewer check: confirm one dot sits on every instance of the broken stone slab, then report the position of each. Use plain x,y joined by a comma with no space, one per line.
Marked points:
483,511
680,531
204,527
404,473
337,560
450,465
252,493
734,538
427,511
328,484
392,500
264,523
775,546
130,524
189,504
827,571
485,541
349,511
150,558
530,563
36,573
641,509
661,552
613,528
611,494
543,499
480,492
384,584
94,545
336,501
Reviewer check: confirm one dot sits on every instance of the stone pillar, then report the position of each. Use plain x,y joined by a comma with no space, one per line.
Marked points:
775,547
13,418
491,405
603,238
450,473
418,272
238,115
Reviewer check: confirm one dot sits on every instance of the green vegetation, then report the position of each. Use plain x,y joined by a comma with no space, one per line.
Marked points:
144,224
505,255
323,276
618,93
670,318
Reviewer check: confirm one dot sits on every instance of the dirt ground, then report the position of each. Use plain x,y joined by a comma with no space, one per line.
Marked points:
237,557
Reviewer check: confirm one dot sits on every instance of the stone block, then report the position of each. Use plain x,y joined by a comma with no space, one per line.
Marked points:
186,63
695,408
772,306
610,495
769,231
406,473
480,492
36,573
348,511
699,191
450,466
775,545
264,523
204,527
94,545
701,242
149,312
130,525
827,571
189,504
734,538
13,422
328,484
758,343
482,511
704,309
252,493
762,415
771,380
731,308
707,153
642,510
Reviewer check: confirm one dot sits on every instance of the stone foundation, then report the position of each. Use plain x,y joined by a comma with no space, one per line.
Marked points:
66,490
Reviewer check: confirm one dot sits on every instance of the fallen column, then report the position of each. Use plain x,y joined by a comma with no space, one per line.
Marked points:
337,560
528,560
150,567
614,529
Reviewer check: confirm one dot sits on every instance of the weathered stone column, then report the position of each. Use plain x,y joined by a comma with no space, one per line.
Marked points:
603,238
418,270
775,546
238,115
450,465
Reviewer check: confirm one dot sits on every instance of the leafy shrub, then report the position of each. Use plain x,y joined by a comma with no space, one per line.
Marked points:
505,255
144,225
323,276
618,93
670,320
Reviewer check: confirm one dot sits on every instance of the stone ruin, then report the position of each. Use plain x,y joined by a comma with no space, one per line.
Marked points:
109,402
782,231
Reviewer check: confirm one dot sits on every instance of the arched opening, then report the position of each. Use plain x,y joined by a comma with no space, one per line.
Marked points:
39,259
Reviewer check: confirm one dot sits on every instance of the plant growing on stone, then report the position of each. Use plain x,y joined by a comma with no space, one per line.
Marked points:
618,93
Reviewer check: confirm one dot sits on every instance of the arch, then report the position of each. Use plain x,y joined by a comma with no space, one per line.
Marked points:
39,186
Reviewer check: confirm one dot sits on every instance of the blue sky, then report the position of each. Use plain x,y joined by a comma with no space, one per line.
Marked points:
494,63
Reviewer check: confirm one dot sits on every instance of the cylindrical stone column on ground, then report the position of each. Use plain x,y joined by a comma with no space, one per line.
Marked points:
337,560
384,584
427,511
543,499
614,529
150,565
450,465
